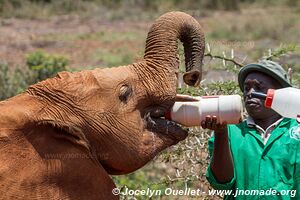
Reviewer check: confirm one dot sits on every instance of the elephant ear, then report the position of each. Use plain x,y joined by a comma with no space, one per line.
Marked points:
68,132
162,44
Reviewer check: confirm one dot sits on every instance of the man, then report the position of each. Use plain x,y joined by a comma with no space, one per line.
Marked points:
258,158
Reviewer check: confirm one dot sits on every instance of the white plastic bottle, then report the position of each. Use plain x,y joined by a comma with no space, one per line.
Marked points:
285,101
225,107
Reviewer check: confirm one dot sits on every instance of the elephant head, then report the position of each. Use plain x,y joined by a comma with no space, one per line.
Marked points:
116,114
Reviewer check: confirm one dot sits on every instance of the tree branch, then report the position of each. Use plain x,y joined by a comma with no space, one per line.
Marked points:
281,51
223,58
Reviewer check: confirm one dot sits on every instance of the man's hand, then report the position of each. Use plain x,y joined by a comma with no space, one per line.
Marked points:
210,122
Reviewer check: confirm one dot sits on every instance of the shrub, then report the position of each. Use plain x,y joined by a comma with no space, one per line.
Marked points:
11,82
44,65
41,66
4,81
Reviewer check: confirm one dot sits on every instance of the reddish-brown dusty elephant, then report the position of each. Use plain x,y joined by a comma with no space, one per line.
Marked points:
63,137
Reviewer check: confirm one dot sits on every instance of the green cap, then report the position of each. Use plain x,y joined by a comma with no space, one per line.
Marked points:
267,67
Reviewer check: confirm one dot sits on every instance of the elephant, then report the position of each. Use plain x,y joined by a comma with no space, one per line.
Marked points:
63,137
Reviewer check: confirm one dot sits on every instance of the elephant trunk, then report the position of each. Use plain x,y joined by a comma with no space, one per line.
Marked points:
162,44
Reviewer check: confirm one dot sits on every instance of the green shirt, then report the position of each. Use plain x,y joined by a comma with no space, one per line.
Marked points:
261,168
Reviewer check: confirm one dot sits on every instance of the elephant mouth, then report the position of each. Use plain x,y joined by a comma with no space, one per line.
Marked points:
156,123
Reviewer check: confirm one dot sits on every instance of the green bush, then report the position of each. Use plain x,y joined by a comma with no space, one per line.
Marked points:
11,82
44,65
5,89
40,66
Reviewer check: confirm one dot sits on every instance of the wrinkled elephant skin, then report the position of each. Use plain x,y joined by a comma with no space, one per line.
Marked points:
63,137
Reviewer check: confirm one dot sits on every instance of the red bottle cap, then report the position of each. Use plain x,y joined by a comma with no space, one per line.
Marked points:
168,115
298,119
269,99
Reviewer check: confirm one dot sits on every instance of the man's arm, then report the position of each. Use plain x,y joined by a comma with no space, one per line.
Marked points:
222,162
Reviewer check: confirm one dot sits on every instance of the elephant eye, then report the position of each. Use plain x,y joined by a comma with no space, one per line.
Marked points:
125,92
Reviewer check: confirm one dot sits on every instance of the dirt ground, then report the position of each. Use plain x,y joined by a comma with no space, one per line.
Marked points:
61,35
92,41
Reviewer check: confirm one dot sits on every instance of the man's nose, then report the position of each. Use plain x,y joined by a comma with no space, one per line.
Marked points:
248,94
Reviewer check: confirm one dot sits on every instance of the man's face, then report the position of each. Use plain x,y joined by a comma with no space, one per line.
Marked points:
258,82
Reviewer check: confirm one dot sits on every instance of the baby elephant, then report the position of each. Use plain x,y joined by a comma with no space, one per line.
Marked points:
64,136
